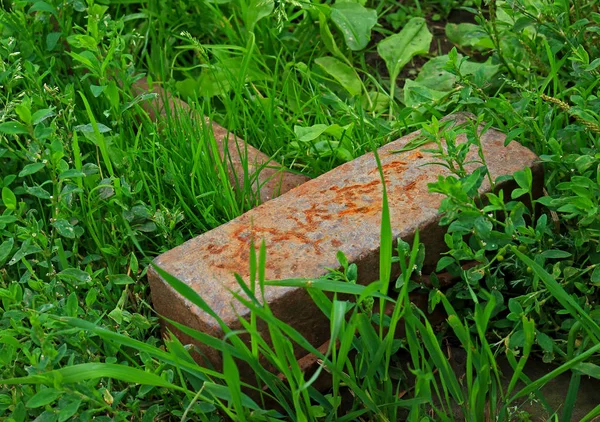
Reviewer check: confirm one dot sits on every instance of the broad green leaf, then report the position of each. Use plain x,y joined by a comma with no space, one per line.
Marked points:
41,115
64,228
518,193
68,406
187,88
433,74
355,21
514,306
398,49
75,274
255,10
5,249
9,198
43,397
310,133
375,101
306,134
121,279
544,341
42,6
112,93
89,128
524,178
468,35
416,94
71,174
85,59
26,249
72,305
84,42
97,90
31,169
555,254
342,73
595,278
13,128
38,192
52,39
24,112
91,296
589,369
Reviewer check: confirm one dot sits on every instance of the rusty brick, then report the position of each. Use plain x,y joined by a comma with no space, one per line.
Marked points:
268,178
305,228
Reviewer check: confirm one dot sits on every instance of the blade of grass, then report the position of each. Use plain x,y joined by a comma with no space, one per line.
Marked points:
326,285
91,371
232,378
571,397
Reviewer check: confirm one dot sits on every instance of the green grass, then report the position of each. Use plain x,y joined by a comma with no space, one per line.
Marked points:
93,190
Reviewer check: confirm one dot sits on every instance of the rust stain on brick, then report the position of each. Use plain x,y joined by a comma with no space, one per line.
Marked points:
214,249
352,197
415,155
357,210
364,188
394,166
315,214
235,256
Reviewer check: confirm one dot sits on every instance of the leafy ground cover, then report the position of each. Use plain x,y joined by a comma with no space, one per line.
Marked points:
92,190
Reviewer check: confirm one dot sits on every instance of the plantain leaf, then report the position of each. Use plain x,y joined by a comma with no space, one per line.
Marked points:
355,21
342,73
398,49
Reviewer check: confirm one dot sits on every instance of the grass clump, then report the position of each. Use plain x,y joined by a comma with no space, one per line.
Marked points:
93,189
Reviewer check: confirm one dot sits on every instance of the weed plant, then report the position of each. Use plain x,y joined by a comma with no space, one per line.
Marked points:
92,190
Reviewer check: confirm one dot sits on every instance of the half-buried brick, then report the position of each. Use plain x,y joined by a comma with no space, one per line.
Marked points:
245,164
306,227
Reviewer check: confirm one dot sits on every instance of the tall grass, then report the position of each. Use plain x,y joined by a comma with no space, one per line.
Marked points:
360,358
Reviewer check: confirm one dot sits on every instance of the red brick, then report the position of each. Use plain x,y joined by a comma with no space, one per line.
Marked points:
305,228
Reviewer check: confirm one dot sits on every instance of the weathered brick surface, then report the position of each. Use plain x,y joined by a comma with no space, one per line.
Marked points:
268,177
304,229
